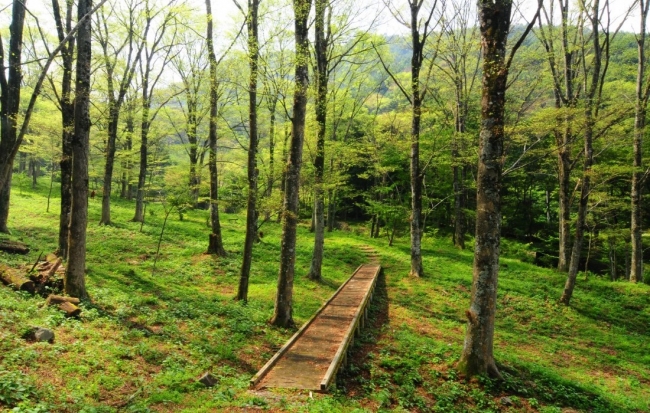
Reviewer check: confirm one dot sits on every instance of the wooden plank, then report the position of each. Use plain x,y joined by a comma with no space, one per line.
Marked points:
349,336
269,365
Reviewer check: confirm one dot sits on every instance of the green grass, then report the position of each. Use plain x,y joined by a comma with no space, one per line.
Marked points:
146,338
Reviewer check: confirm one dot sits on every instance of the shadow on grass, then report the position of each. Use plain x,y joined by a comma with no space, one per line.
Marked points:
351,378
534,382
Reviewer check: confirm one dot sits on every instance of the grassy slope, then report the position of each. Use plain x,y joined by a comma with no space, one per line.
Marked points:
146,338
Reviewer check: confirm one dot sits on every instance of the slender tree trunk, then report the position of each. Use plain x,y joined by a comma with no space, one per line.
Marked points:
612,260
331,210
283,313
114,115
67,120
283,180
142,174
271,180
581,219
251,205
125,192
9,105
564,194
215,244
636,225
590,112
477,356
322,77
458,184
416,176
74,279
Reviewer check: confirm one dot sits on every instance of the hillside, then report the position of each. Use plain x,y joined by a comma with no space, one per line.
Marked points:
148,336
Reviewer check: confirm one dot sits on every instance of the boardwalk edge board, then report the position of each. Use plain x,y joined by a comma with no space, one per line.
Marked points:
269,365
341,352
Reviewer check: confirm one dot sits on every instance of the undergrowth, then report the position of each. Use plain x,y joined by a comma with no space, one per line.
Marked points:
147,336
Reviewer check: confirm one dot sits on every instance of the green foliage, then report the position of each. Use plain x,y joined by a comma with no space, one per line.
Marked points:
15,388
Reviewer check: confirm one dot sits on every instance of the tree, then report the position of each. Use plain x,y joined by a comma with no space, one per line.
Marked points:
253,142
10,104
566,90
66,105
420,32
593,92
157,54
215,245
283,312
494,20
458,66
640,113
113,47
323,39
190,64
74,279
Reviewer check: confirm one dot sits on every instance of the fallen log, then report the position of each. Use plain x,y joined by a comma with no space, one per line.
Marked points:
59,299
70,309
12,277
55,266
66,304
13,247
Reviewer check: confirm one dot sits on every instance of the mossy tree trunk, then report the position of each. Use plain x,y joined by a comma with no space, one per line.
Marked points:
642,94
9,105
215,242
477,357
283,312
251,204
74,279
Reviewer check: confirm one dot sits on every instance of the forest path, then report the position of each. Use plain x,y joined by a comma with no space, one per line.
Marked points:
312,357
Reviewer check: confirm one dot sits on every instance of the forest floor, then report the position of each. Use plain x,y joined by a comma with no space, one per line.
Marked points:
147,336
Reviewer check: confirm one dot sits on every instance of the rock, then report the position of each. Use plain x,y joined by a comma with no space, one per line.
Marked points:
43,334
506,401
208,380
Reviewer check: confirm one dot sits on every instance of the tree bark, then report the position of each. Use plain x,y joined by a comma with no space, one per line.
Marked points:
477,356
416,107
283,312
322,77
74,279
9,106
592,99
67,121
636,225
251,204
215,242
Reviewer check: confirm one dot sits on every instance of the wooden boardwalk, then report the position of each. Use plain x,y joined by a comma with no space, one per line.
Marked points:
312,357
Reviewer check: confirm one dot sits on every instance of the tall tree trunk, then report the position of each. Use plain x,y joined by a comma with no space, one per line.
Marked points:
251,204
114,115
564,194
416,107
74,279
271,180
67,120
283,312
636,226
215,244
322,77
477,356
458,182
9,105
115,101
192,138
590,113
144,144
566,99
